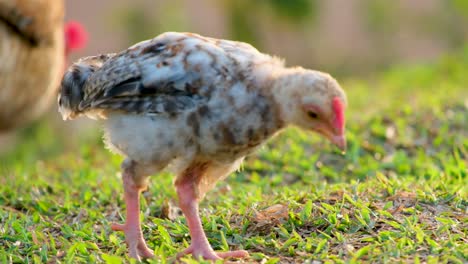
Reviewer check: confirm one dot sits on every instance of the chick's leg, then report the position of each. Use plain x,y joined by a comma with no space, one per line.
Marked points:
199,246
133,235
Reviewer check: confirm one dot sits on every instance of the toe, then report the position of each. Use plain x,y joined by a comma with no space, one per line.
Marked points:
197,253
118,227
208,253
137,248
233,254
144,251
133,253
186,251
207,256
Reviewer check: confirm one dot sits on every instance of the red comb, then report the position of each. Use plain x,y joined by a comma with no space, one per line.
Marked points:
75,36
338,109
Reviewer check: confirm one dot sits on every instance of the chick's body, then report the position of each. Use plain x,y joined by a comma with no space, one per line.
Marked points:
184,100
31,53
197,105
208,115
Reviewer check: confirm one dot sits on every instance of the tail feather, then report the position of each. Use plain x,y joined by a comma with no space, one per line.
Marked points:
74,81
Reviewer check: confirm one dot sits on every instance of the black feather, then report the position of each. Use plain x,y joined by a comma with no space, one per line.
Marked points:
128,87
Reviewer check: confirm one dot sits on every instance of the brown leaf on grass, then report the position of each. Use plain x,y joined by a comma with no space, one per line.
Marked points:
402,196
268,218
34,236
335,196
12,209
170,210
397,210
274,213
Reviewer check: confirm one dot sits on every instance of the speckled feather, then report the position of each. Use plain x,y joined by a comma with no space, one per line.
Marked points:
168,74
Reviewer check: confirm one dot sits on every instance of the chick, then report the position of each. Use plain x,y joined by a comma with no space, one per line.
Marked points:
196,106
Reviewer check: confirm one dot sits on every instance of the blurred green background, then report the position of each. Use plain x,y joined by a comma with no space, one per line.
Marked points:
344,37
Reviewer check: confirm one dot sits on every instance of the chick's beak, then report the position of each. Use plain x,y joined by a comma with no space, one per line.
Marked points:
66,114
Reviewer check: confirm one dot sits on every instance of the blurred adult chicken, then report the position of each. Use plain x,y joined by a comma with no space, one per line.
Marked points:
33,50
198,106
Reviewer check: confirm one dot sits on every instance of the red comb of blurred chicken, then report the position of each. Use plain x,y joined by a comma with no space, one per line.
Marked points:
32,48
76,36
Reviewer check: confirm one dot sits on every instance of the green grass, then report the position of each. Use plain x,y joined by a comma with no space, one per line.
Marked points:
400,193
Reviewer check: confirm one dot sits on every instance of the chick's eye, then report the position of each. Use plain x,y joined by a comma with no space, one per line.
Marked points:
312,114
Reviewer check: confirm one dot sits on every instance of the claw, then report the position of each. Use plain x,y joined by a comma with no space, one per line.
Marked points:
206,252
117,227
137,247
233,254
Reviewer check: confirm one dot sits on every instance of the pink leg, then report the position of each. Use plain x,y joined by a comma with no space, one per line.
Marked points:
133,235
199,246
